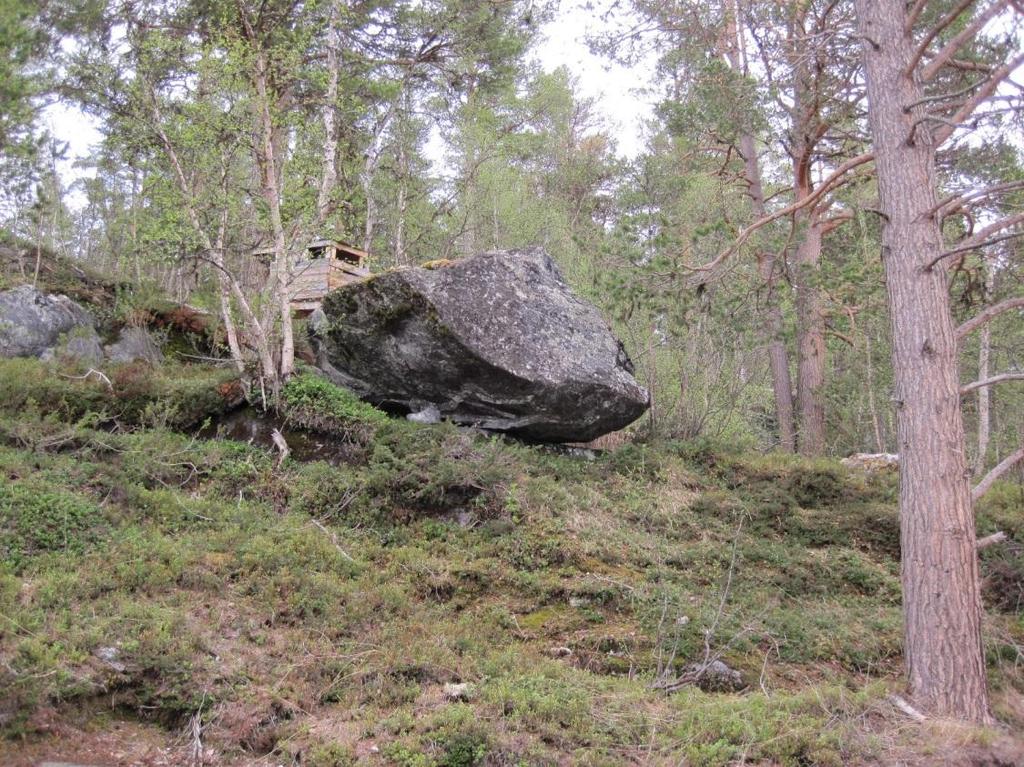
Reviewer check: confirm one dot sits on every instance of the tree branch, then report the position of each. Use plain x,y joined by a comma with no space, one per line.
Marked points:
967,388
990,540
957,42
988,315
1004,466
932,33
988,87
954,202
913,15
832,181
979,238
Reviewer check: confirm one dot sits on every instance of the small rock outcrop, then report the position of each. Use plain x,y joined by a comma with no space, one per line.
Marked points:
497,341
37,324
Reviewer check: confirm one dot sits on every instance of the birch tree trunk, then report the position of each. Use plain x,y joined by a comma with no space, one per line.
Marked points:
269,163
943,652
329,170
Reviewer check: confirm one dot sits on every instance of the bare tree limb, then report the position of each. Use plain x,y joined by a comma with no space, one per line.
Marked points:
990,540
992,381
978,239
1003,466
91,372
954,202
989,314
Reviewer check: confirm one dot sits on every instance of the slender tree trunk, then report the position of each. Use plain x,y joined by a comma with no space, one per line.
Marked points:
872,407
371,160
810,380
984,352
941,598
269,162
227,316
133,226
329,170
778,356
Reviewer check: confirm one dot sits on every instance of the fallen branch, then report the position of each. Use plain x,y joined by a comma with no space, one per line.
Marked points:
282,446
990,540
334,539
1004,466
92,371
906,708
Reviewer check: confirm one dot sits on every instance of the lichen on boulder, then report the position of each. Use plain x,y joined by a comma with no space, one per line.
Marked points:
497,340
38,324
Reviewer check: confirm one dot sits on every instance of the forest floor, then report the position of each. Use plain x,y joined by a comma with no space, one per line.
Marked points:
165,596
424,596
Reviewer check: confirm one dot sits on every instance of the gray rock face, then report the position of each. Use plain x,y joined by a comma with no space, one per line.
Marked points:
716,676
497,341
134,344
32,324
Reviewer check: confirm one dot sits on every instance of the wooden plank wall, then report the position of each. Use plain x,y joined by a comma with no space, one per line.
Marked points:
309,279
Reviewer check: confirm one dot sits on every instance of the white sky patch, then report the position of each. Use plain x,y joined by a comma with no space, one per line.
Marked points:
81,135
619,91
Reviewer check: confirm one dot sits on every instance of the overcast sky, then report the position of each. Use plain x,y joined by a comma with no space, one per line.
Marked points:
618,89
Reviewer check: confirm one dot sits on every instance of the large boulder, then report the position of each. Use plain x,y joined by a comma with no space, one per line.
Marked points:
496,340
37,324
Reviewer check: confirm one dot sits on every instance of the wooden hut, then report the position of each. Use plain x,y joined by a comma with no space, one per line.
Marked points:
326,265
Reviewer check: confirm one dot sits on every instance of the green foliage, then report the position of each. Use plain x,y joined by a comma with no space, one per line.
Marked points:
36,520
316,403
137,394
552,585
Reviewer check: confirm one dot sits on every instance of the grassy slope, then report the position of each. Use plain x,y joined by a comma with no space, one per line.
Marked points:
316,612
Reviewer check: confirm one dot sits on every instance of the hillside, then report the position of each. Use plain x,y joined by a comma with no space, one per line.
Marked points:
165,595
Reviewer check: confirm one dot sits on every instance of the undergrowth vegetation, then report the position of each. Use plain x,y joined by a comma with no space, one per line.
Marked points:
315,612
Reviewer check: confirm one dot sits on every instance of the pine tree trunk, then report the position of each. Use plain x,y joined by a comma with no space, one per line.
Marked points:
984,353
778,357
941,598
810,379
